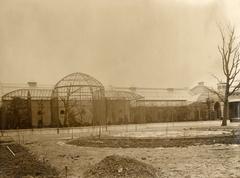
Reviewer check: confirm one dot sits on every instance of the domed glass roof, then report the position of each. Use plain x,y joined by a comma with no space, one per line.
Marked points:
78,79
79,86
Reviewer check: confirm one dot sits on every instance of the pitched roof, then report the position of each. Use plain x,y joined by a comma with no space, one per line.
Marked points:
160,94
122,95
34,93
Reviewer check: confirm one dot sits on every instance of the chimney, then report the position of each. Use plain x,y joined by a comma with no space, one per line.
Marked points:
32,84
133,89
170,89
201,83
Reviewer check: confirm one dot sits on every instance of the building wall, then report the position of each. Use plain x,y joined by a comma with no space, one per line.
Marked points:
156,114
41,110
118,111
234,111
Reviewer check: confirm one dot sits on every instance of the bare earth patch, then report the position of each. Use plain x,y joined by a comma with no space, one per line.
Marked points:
22,163
213,161
188,157
121,142
115,166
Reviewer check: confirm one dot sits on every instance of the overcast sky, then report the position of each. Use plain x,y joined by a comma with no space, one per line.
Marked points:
144,43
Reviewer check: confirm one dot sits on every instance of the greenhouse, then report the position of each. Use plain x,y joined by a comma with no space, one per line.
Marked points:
78,99
25,108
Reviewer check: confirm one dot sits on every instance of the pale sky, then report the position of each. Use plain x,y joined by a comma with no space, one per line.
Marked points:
144,43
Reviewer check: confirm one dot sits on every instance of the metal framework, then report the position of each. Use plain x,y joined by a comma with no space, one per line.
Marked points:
122,95
34,93
18,107
78,98
79,86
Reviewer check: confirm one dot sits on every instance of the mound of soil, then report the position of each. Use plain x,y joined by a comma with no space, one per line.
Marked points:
116,166
22,164
123,142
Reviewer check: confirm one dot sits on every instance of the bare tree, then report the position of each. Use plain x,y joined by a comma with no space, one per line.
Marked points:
230,58
66,105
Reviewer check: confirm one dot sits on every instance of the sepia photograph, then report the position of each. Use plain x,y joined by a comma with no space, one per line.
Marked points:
119,88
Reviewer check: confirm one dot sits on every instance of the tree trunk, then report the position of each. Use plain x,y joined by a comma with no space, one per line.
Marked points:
225,112
65,123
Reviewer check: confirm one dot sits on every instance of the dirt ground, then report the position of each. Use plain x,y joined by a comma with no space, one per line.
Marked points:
17,161
214,160
194,161
122,142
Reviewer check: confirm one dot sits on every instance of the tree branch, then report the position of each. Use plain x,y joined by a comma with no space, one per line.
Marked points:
218,93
